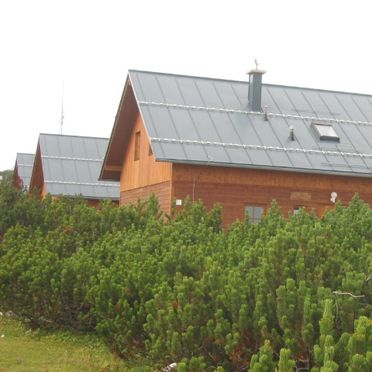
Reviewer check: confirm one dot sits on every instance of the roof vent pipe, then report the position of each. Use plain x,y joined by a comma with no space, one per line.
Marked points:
254,89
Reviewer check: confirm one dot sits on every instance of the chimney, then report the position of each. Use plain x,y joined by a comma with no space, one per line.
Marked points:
254,90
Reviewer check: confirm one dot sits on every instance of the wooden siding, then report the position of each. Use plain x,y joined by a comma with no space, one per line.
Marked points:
16,181
236,188
161,190
37,177
145,171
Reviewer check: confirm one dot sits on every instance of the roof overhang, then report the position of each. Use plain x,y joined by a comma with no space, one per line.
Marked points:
270,168
119,139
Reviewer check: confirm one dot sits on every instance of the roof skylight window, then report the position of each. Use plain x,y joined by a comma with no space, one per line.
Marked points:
326,132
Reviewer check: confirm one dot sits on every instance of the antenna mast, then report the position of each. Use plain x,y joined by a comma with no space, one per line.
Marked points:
62,114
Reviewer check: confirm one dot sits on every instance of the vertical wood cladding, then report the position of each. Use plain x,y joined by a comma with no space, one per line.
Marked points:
37,177
139,166
235,188
141,175
161,190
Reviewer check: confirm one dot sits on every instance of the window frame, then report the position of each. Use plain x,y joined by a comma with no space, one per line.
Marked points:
324,136
137,145
296,209
252,219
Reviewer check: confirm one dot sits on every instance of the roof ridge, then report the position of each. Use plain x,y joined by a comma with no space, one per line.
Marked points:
246,82
315,89
188,76
72,135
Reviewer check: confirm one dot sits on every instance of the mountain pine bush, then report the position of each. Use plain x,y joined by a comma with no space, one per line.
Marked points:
281,294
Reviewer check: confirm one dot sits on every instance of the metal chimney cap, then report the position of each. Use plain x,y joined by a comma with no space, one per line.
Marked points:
256,71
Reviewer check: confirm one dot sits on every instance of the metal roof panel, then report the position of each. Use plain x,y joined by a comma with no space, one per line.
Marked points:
195,153
198,119
228,95
164,123
183,123
71,166
238,156
24,164
173,151
225,127
170,89
189,92
204,126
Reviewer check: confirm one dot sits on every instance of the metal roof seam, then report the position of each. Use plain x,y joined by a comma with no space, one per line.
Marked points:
208,113
177,84
160,88
218,134
309,104
358,107
246,112
172,120
218,94
281,143
260,147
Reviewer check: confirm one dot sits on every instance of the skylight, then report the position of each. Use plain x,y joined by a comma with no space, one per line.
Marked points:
326,132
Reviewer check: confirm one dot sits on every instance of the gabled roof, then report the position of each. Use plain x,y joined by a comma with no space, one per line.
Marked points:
23,170
70,165
199,120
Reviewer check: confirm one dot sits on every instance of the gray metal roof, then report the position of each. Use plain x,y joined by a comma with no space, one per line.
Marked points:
71,166
207,121
24,163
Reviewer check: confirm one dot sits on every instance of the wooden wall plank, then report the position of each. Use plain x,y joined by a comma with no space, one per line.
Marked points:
145,171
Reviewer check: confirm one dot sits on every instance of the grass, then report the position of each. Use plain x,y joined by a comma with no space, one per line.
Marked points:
24,350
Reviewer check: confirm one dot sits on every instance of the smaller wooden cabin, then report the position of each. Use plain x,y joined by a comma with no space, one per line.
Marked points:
23,170
70,166
239,144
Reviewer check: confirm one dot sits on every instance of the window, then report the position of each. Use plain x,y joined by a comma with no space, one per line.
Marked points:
137,145
253,213
296,210
326,132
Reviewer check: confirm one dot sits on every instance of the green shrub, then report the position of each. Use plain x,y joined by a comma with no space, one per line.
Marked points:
281,293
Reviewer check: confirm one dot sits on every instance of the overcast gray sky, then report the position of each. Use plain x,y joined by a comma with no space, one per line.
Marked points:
89,45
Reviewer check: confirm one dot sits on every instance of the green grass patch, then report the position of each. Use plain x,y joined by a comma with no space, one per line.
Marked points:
22,349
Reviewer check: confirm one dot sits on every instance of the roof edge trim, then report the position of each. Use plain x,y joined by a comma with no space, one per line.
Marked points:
272,168
109,145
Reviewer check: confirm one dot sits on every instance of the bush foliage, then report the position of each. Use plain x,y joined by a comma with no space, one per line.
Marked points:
285,293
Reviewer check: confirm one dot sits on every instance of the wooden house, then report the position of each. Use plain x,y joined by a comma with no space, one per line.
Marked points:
22,170
241,144
70,166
